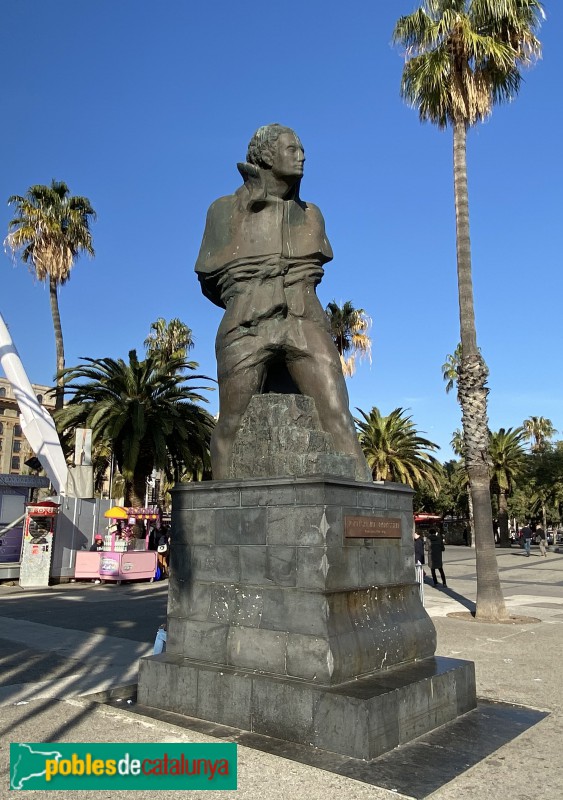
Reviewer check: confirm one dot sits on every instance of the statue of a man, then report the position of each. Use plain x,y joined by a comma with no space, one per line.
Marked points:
261,258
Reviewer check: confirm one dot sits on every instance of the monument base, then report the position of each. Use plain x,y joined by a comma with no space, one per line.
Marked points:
362,718
293,613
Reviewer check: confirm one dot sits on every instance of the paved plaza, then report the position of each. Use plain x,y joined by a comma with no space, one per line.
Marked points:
62,644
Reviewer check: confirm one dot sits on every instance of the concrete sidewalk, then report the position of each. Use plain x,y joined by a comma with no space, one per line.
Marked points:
63,643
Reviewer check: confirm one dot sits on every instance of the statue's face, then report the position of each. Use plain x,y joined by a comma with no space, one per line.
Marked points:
288,156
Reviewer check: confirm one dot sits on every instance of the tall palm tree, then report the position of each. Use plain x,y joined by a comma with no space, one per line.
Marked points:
450,367
462,57
457,446
146,412
539,430
508,462
168,340
349,328
395,451
50,230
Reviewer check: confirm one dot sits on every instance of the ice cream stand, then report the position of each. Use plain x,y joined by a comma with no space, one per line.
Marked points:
122,558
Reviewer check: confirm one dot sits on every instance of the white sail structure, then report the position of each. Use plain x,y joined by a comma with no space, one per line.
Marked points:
37,424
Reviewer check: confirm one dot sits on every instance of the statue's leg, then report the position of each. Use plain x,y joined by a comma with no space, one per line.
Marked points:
240,373
317,372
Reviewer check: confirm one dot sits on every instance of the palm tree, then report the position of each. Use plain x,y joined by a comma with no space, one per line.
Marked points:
450,367
50,230
508,460
395,451
546,466
146,412
462,57
168,340
538,430
349,328
457,446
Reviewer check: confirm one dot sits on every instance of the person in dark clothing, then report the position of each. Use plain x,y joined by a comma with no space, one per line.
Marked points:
435,548
527,539
98,543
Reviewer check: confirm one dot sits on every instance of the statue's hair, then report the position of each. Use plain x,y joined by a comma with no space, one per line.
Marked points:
263,139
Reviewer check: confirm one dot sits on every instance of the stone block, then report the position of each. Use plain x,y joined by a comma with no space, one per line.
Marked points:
216,563
383,722
344,568
225,696
426,705
240,526
254,648
341,724
304,525
268,496
281,565
215,497
180,561
295,611
184,692
399,500
309,657
175,636
222,606
283,710
199,528
370,498
465,688
252,560
249,607
312,567
204,641
189,599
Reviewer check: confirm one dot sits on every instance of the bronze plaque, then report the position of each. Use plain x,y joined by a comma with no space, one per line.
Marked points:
372,527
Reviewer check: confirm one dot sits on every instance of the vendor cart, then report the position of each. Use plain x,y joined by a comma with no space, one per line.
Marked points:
122,558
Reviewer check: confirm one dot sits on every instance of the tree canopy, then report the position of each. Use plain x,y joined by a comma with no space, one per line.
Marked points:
349,328
50,230
148,413
394,449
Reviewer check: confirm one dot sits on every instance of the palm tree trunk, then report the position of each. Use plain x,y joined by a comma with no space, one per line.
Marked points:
471,517
472,396
59,345
135,491
503,519
544,517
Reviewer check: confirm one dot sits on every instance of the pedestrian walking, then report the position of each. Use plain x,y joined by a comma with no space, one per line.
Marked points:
540,539
435,548
527,539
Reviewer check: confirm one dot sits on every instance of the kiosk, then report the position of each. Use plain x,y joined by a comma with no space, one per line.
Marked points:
38,529
122,558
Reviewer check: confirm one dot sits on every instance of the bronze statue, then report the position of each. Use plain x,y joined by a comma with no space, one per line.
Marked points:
261,258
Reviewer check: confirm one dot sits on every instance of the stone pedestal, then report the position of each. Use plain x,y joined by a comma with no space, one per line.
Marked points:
293,612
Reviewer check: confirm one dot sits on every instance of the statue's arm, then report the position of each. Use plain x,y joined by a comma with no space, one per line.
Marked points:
318,221
212,259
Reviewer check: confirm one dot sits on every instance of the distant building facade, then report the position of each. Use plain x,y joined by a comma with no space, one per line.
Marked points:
14,449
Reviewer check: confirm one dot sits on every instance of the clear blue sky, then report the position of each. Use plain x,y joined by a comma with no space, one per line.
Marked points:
145,108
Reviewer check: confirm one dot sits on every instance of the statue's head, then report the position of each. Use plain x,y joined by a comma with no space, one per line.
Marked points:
276,147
